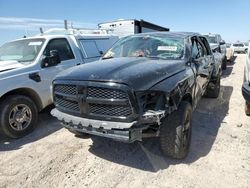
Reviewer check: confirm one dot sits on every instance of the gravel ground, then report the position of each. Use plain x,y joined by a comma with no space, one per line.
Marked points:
219,157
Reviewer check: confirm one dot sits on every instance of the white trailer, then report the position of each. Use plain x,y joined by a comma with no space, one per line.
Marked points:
130,26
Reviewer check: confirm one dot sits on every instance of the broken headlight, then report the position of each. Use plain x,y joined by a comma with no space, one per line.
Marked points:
152,100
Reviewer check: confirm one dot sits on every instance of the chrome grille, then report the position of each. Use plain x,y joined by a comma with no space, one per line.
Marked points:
66,89
106,93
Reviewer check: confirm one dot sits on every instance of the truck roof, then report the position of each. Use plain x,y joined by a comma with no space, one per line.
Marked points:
77,36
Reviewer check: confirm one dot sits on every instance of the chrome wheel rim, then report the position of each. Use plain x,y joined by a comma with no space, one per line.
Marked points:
20,117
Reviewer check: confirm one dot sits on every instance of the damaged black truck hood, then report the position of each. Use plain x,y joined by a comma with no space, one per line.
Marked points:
138,73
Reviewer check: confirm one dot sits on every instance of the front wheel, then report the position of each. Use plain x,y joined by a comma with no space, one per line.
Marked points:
213,88
18,116
176,131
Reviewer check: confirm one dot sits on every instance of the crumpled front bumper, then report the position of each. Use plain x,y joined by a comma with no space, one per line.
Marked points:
246,91
121,131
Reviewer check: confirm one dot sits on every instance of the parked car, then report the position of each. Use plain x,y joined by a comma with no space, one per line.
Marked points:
230,52
217,44
239,48
246,85
28,66
146,85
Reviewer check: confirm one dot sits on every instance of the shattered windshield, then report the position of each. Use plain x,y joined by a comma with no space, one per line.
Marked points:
22,51
151,46
211,39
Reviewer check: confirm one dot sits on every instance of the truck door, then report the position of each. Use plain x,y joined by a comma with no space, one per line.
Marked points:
208,56
67,57
201,65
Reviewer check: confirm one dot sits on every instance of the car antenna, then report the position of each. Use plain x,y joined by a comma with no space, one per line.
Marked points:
41,30
66,24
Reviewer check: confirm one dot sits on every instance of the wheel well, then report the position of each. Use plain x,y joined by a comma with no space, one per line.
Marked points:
28,93
188,97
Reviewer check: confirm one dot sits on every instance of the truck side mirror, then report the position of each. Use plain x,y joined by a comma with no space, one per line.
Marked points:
52,60
222,42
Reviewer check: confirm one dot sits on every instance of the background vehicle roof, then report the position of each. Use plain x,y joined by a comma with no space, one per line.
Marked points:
172,34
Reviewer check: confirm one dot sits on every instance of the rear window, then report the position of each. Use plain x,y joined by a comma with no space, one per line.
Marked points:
238,45
211,38
90,48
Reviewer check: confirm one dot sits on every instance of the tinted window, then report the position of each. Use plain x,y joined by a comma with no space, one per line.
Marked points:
204,45
197,50
90,49
211,38
63,48
238,45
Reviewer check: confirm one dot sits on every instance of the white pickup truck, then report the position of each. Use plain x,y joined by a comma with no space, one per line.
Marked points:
28,66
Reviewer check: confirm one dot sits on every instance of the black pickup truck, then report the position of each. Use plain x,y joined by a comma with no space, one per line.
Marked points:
146,85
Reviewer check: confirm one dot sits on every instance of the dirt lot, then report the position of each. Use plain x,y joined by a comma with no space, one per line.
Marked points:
219,156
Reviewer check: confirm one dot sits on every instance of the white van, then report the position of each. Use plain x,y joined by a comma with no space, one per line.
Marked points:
28,66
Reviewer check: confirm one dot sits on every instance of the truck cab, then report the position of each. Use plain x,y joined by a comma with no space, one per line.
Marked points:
29,65
218,45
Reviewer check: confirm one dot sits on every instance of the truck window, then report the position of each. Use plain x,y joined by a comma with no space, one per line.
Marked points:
197,49
63,48
206,46
211,38
105,44
90,48
24,51
152,46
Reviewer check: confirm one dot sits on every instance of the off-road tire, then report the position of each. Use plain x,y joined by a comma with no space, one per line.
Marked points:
213,88
247,109
6,108
175,138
